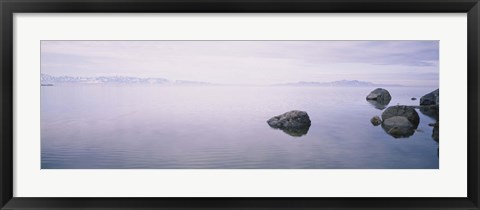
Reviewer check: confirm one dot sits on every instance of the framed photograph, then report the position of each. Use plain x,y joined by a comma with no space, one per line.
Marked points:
239,104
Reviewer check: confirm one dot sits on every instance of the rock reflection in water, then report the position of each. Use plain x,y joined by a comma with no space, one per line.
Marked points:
378,105
430,111
435,132
296,132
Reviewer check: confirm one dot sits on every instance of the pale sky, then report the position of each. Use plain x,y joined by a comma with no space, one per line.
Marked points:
248,62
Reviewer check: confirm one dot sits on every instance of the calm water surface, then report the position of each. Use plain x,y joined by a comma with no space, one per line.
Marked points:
159,127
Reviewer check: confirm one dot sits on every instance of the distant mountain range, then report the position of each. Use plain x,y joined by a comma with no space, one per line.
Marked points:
345,83
48,80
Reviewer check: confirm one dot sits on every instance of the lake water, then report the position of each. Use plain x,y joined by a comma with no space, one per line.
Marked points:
161,127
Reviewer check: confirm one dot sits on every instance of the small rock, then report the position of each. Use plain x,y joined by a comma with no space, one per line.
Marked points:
413,99
376,121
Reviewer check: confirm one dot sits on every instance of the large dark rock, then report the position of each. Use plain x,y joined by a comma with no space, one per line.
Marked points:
402,111
380,95
400,121
429,104
294,123
431,98
398,127
291,119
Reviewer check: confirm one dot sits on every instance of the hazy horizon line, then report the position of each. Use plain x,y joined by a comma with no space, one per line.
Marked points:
289,83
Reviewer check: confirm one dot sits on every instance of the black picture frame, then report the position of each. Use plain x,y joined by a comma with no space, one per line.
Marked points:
9,7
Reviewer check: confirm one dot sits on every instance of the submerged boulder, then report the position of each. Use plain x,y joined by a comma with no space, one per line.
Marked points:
398,126
400,121
294,123
431,98
380,95
402,111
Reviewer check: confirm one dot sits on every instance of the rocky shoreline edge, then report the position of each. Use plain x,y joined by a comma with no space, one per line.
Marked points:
401,121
